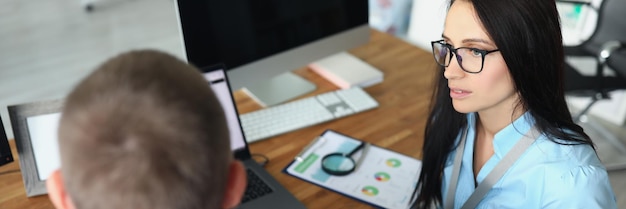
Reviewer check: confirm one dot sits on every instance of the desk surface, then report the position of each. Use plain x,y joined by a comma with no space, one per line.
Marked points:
397,124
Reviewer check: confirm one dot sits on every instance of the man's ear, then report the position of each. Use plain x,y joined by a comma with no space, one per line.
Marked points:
56,191
236,185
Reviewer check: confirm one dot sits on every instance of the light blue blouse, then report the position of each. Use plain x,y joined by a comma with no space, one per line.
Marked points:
547,175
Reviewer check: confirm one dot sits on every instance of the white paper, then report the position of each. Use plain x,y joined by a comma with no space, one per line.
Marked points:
43,137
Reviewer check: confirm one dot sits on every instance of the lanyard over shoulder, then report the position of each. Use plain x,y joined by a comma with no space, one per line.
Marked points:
493,176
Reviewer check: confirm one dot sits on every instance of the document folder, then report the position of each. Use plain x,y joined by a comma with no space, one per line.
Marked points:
385,179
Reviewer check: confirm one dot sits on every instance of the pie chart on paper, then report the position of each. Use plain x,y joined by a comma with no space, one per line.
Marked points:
394,163
370,191
382,176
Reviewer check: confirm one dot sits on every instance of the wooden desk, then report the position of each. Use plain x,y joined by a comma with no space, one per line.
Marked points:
397,124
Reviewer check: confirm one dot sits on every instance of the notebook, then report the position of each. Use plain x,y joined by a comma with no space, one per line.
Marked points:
273,194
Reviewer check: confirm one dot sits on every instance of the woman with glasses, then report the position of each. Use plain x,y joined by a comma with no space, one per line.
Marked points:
499,134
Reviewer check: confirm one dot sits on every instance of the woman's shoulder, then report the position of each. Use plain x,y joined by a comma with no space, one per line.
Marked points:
566,169
557,149
567,153
570,169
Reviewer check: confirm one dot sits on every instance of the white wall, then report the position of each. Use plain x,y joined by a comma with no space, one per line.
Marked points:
426,25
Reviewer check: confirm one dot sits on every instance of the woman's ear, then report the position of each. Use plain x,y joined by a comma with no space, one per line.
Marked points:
56,191
236,185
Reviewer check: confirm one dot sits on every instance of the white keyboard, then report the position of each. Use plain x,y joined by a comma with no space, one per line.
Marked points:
305,112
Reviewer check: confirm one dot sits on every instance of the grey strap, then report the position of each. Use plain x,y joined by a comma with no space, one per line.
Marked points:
493,176
455,171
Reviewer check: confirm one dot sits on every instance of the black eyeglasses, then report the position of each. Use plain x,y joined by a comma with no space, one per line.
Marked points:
471,60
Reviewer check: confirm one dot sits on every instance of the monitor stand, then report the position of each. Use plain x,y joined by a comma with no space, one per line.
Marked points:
279,89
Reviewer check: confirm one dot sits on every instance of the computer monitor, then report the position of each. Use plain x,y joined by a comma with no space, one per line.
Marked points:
261,41
5,149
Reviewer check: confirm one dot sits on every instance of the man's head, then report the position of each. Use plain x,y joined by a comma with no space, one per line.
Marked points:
145,131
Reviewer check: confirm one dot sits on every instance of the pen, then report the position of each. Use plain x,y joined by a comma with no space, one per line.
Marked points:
299,157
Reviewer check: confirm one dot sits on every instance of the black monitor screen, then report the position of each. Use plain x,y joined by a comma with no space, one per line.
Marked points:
5,150
236,32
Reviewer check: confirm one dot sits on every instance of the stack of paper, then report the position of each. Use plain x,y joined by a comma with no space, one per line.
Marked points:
345,71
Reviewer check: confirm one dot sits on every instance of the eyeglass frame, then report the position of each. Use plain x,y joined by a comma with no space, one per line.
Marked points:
452,51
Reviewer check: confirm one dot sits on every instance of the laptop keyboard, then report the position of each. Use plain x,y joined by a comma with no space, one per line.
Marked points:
256,187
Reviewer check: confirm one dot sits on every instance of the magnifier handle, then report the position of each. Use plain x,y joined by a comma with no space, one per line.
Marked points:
356,149
360,160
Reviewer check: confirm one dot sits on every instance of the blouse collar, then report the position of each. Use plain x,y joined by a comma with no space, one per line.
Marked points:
506,138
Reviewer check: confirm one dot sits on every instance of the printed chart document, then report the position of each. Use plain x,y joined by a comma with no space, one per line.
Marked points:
385,179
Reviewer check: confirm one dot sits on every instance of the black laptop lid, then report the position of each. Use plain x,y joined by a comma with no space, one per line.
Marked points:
216,75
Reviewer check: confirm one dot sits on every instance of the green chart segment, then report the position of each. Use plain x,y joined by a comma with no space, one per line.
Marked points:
394,163
308,161
369,191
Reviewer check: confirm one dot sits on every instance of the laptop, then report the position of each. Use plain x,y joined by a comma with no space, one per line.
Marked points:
269,193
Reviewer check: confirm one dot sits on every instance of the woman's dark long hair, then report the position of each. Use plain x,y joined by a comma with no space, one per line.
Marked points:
528,34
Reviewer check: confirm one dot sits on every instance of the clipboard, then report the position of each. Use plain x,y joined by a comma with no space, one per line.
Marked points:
385,179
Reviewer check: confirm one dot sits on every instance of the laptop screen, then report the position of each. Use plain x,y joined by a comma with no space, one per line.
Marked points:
216,76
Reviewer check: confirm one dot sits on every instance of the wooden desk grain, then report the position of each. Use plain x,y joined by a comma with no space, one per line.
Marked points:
397,124
12,192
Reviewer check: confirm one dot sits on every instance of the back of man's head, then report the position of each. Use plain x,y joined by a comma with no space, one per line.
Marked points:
144,131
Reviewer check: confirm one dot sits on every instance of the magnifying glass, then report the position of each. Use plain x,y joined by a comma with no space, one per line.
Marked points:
341,164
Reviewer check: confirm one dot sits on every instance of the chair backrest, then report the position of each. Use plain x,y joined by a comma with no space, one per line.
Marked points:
617,62
611,25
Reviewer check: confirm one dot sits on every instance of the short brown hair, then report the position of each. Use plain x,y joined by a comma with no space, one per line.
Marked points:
144,131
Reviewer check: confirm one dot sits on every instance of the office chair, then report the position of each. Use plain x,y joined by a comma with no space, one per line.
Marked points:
607,45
